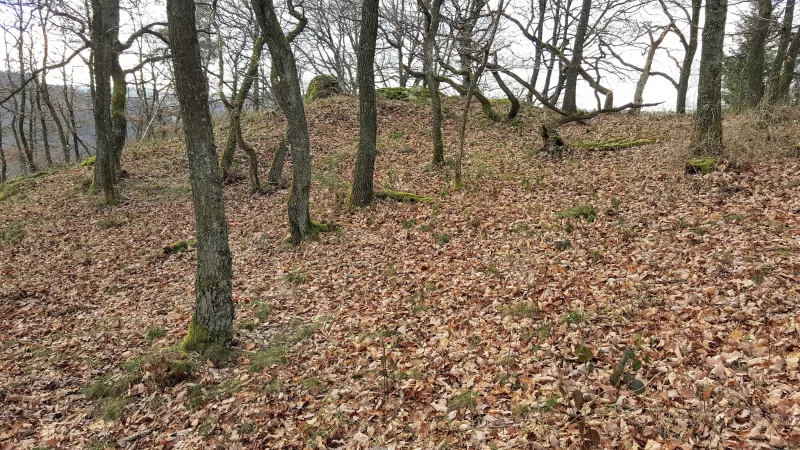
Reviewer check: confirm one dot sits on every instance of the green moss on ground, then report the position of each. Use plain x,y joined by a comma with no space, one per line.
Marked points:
587,212
180,246
323,86
89,162
701,166
401,196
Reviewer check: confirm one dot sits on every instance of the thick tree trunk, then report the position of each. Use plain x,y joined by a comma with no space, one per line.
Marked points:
363,175
573,69
286,86
432,12
688,58
212,322
787,75
707,137
754,58
105,21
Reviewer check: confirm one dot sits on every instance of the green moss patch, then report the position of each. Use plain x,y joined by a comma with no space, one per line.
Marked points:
700,166
586,212
89,162
180,246
401,196
323,86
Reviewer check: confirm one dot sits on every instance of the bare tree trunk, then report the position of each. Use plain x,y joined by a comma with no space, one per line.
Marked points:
276,169
537,58
286,86
105,20
754,58
432,11
688,57
707,137
774,79
3,164
573,68
789,65
638,95
212,322
362,192
43,121
119,116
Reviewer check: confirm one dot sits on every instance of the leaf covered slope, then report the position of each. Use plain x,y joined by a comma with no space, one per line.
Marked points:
466,322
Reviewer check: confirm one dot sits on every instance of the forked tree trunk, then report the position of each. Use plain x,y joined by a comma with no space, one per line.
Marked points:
105,20
363,176
286,86
212,321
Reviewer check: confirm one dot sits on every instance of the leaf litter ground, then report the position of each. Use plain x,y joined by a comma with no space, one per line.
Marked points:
482,320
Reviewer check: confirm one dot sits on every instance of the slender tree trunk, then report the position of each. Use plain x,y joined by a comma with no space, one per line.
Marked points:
432,13
363,175
212,322
43,121
707,137
276,168
638,95
119,116
754,57
537,59
787,75
571,82
688,58
286,86
774,78
3,164
105,17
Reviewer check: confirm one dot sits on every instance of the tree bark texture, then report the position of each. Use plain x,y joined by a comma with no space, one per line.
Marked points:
573,68
707,137
363,175
212,322
754,57
286,86
432,13
105,28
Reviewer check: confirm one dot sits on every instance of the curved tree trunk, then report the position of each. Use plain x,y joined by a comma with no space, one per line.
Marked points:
212,321
362,192
286,86
707,137
638,95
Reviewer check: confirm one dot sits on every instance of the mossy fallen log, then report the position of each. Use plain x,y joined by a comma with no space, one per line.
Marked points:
700,166
618,143
401,196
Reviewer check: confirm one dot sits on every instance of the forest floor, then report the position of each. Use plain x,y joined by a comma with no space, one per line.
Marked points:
668,316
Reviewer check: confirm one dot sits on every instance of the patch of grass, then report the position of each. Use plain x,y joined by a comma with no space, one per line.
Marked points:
735,218
464,400
522,410
313,385
701,166
573,317
219,355
111,408
14,233
409,223
16,187
522,310
563,245
155,332
263,311
441,238
296,277
586,212
269,357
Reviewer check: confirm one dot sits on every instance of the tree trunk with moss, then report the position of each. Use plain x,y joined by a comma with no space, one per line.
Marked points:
212,321
431,9
105,29
119,118
707,136
286,86
362,192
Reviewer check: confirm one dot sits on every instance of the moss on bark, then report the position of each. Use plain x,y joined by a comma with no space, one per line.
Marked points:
199,339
